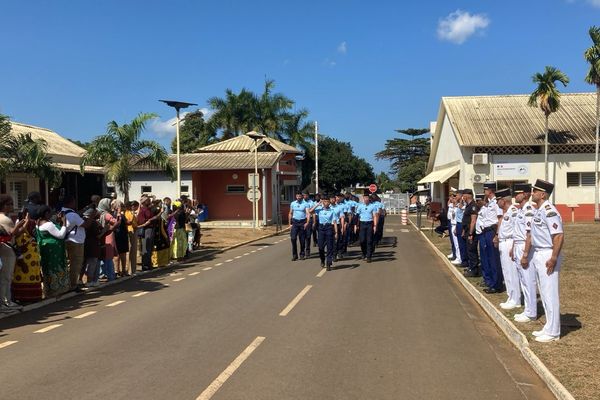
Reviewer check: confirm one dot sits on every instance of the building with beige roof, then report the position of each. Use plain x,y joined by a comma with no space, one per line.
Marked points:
501,138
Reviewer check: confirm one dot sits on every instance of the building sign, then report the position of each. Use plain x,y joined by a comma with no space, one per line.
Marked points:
511,170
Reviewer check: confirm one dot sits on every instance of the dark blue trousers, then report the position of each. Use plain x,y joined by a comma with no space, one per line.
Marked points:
307,237
462,243
297,232
490,260
365,236
379,232
326,239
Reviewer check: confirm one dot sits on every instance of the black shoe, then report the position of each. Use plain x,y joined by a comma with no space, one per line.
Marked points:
294,258
301,257
322,264
328,267
368,260
491,290
364,258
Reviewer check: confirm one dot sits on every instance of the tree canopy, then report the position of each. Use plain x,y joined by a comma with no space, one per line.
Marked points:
339,167
193,133
408,157
121,147
22,153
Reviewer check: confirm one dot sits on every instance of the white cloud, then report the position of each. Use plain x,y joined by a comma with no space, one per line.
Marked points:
329,63
458,26
595,3
342,48
167,128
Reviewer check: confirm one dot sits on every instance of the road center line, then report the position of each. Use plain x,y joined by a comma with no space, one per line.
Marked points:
246,254
6,344
206,269
231,368
293,303
230,260
116,303
48,328
321,273
178,279
139,294
236,257
218,265
253,251
87,314
194,273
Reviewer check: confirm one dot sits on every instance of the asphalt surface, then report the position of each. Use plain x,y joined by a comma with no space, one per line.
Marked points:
398,328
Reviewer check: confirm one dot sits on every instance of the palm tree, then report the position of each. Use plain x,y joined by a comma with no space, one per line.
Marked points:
548,97
297,131
22,153
235,114
272,111
592,56
121,148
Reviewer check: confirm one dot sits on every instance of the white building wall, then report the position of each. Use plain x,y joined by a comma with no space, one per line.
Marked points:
161,185
448,150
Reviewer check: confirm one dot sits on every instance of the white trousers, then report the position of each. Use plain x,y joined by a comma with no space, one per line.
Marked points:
548,287
527,280
7,255
455,242
511,275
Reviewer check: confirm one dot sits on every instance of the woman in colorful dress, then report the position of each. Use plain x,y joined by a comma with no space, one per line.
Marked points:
27,278
179,244
121,239
51,242
161,251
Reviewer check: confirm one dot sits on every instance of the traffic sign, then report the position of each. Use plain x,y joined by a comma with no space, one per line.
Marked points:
372,188
253,193
253,180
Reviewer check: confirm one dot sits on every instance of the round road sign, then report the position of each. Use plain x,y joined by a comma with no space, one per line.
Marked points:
253,192
372,188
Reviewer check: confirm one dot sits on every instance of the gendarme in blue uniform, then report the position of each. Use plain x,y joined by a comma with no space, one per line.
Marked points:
298,211
327,218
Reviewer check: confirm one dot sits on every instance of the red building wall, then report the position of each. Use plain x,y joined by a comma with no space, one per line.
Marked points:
583,213
210,188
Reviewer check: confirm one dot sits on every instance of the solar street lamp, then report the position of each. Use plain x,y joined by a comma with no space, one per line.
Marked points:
178,105
256,136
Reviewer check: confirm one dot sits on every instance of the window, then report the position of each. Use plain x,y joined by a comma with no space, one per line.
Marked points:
579,179
18,192
236,189
185,189
146,189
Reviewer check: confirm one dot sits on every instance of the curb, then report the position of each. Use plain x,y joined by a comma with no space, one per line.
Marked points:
192,258
507,327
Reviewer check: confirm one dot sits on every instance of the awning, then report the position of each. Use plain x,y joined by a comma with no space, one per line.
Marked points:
440,175
75,168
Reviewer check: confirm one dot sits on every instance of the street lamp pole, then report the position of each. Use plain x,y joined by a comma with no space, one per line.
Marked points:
316,157
256,136
178,105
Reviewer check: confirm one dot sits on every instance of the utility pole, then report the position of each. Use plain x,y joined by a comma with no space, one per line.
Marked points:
316,157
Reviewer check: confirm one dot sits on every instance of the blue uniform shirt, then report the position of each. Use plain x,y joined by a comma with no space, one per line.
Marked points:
298,209
338,209
365,212
326,215
460,212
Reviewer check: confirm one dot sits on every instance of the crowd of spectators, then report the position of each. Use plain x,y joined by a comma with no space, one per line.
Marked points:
46,252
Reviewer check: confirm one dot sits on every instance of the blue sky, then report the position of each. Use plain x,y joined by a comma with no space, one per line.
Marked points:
361,68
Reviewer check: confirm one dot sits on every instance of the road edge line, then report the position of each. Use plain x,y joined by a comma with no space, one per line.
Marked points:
512,333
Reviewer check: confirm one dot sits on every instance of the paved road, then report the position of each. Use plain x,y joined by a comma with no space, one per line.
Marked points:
399,328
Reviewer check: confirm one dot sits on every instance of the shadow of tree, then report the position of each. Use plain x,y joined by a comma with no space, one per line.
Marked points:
559,137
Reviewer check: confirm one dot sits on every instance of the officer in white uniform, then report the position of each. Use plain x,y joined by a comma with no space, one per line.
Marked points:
451,220
521,228
543,253
505,246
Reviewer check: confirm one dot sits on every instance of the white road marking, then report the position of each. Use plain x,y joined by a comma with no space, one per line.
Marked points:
87,314
230,260
194,273
218,265
48,328
140,294
236,257
246,254
295,301
253,251
259,249
178,279
116,303
6,344
321,273
404,230
389,230
210,391
206,269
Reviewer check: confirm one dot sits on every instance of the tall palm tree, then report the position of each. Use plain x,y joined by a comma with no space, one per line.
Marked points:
235,114
592,56
22,153
548,97
297,131
121,148
272,111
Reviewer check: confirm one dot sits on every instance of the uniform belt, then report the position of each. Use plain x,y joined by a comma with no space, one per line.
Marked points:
519,241
366,222
489,228
298,220
504,239
325,225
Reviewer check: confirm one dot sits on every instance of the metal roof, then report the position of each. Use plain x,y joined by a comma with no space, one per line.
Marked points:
216,161
57,145
509,121
245,143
